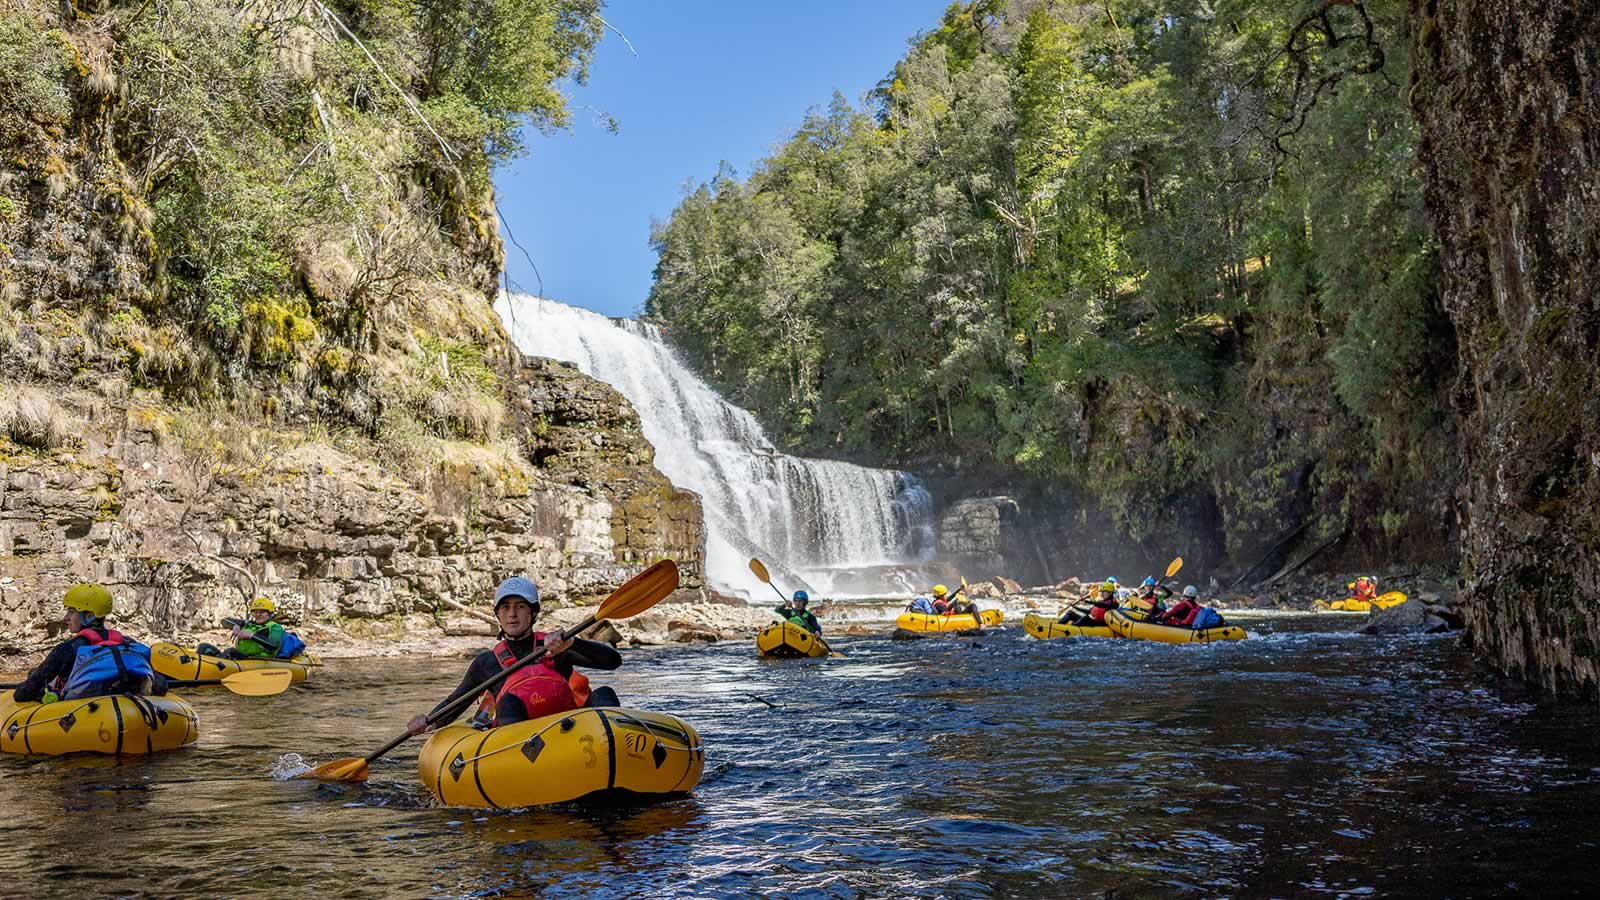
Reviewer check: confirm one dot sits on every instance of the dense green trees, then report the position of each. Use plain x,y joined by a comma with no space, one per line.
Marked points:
1062,239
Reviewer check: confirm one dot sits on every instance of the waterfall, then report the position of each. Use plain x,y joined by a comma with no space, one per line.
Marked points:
837,527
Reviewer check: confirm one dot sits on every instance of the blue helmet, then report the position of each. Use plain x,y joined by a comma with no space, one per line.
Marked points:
802,596
517,586
1111,578
1150,581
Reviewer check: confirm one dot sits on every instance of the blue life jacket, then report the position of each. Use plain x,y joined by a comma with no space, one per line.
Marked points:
292,646
1206,618
922,605
107,665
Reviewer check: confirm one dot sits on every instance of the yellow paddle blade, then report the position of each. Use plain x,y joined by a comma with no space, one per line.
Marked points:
1174,567
760,570
352,768
641,592
259,682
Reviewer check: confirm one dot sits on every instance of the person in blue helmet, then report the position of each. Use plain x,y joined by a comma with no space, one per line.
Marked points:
542,688
1150,599
795,611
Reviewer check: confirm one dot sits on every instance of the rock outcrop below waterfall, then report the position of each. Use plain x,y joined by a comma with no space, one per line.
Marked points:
179,532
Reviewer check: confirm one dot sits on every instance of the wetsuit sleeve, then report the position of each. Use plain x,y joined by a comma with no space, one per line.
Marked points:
590,655
56,665
1166,592
813,624
482,668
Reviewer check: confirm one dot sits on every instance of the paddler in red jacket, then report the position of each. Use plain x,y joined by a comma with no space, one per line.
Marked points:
542,688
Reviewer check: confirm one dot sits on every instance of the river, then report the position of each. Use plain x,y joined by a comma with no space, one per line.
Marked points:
1307,760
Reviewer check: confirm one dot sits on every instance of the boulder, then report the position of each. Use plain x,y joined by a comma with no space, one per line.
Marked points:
692,635
1411,617
1006,585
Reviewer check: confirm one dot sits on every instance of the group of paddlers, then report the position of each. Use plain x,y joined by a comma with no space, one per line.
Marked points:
1147,603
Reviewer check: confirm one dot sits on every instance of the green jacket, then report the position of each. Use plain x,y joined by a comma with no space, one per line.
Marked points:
261,641
803,618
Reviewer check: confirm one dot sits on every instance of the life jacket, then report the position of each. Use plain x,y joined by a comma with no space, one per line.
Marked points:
538,685
1100,607
921,605
109,664
1367,592
1182,613
292,646
941,607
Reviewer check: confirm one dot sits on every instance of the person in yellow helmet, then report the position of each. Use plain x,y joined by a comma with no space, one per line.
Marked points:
1094,613
96,661
259,637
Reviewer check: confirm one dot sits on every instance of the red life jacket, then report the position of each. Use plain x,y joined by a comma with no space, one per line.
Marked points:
113,637
1101,606
538,685
1182,613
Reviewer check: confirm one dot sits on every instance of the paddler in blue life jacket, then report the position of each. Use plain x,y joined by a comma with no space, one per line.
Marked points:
795,612
96,662
542,688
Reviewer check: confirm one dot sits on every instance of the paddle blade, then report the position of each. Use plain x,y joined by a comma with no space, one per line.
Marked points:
352,768
259,682
1174,567
760,570
641,592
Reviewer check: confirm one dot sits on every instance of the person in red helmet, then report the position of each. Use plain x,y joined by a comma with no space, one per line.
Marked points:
542,688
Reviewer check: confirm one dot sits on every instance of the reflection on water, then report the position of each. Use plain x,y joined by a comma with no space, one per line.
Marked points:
1298,762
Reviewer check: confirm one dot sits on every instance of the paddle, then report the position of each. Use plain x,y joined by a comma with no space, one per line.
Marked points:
975,617
641,592
757,567
249,683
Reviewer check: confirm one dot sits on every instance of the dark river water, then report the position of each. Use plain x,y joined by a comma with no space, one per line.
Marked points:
1305,761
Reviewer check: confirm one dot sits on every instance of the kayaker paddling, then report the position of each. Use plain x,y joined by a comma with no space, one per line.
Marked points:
795,611
261,637
544,688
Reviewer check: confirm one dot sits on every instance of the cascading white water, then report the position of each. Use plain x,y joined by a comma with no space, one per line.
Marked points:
812,518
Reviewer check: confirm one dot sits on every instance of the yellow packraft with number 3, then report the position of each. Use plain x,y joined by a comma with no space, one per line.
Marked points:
567,756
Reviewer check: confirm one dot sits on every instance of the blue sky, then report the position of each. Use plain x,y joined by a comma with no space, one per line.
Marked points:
712,81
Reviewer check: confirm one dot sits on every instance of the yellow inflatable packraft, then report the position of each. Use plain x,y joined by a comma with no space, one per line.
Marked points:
911,621
1124,626
1382,601
186,664
786,640
563,757
1046,627
119,724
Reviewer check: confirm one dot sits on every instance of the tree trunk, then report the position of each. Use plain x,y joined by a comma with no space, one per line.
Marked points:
1508,97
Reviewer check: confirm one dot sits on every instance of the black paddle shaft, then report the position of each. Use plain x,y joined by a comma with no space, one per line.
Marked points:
454,709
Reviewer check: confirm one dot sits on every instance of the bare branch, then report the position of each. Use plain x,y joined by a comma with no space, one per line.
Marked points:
619,33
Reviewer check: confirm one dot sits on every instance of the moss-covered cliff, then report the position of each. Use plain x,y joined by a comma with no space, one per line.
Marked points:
249,252
1508,95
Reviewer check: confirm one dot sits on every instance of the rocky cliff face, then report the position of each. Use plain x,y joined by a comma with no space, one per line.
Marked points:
246,333
1508,95
180,531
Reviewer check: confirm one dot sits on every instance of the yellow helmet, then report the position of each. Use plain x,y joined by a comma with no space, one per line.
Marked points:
1108,586
263,603
90,598
940,590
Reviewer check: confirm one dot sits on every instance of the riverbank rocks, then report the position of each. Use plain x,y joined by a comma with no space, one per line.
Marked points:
1423,614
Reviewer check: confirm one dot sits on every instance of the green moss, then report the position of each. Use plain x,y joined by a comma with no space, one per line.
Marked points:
280,329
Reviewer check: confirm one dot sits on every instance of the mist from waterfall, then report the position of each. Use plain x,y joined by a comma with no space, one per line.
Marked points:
831,524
